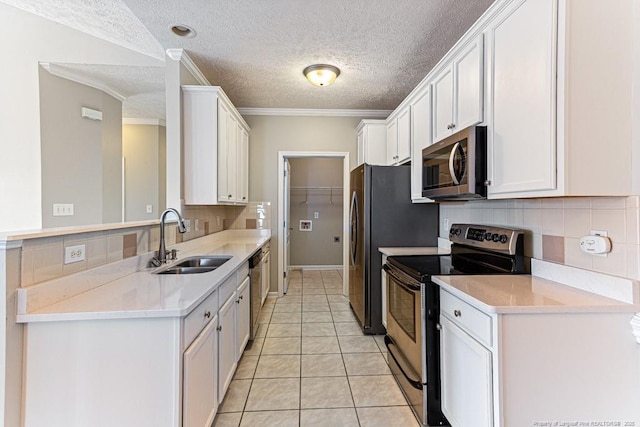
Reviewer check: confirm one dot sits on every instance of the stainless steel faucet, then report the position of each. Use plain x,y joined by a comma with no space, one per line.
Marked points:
161,256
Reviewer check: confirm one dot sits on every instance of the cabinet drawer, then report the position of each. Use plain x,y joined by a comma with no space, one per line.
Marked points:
199,318
228,287
469,318
243,272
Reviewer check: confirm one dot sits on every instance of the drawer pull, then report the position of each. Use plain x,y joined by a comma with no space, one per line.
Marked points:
219,328
207,314
457,313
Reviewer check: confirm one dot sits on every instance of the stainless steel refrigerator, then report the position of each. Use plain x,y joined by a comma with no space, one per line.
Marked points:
382,215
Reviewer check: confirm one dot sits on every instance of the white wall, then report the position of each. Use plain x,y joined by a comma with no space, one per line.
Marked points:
26,40
142,148
270,134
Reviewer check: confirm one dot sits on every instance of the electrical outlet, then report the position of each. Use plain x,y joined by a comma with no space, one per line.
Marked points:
74,254
187,225
446,225
63,209
196,224
149,208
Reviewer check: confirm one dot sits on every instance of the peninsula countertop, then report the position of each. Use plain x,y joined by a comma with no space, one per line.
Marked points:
126,290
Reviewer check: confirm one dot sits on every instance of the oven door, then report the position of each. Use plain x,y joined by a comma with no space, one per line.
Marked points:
405,318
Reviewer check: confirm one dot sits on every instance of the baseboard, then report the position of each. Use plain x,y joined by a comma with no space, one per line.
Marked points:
315,267
272,295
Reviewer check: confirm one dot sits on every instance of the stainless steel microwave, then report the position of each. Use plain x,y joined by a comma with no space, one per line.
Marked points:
456,167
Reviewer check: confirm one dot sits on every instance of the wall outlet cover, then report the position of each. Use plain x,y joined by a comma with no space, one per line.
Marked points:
74,254
306,225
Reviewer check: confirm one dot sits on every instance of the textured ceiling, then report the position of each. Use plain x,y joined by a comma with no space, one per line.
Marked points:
256,49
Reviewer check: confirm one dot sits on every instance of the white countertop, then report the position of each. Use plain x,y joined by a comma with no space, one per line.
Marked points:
528,294
142,294
429,250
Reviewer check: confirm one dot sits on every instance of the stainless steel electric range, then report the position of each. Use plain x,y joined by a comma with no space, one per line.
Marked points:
413,307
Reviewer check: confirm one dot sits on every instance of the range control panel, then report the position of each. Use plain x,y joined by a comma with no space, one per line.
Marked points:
499,239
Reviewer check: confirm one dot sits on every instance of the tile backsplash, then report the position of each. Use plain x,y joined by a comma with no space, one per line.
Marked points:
43,258
554,227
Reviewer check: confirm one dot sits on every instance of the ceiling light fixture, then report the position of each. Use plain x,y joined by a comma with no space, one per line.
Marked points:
321,74
183,31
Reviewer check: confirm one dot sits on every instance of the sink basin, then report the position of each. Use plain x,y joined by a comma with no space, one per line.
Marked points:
196,264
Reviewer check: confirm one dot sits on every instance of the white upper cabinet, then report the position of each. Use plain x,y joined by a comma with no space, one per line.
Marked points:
560,110
372,142
216,148
522,117
421,138
399,136
458,92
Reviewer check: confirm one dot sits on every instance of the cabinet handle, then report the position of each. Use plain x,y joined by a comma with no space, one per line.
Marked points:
448,126
230,196
487,183
241,296
453,125
219,328
457,313
207,314
244,198
438,326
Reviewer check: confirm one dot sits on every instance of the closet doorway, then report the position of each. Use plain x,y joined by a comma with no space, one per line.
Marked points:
312,213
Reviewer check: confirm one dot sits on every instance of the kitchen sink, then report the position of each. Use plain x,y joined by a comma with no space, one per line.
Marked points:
196,264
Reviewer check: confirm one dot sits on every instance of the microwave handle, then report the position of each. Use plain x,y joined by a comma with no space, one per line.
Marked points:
452,171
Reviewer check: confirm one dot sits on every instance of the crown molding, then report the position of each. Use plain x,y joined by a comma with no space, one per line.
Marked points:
372,114
151,122
77,77
185,59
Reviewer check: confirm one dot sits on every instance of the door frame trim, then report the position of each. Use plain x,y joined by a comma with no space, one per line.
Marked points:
282,155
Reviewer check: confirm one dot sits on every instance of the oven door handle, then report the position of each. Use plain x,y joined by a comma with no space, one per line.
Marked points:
412,287
390,344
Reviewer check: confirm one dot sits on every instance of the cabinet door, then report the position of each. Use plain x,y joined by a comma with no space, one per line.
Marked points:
392,142
468,71
200,382
243,318
243,165
522,131
467,392
226,339
266,277
223,152
421,138
442,88
361,146
404,135
232,159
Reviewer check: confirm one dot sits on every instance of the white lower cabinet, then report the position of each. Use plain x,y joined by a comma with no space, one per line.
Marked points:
227,337
266,277
200,378
243,318
466,378
516,368
143,372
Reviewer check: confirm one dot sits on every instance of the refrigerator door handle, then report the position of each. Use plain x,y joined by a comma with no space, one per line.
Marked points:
353,229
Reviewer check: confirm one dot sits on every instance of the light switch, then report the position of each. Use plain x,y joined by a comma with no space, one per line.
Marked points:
316,215
149,208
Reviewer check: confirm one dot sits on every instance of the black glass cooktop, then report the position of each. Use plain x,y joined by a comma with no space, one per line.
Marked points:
462,260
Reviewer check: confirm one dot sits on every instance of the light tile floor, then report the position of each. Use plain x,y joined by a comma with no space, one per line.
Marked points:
311,365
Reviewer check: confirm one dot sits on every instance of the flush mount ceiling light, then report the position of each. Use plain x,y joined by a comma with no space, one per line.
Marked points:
183,31
321,74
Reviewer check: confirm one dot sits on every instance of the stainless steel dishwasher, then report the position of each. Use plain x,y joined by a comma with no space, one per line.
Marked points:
255,273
